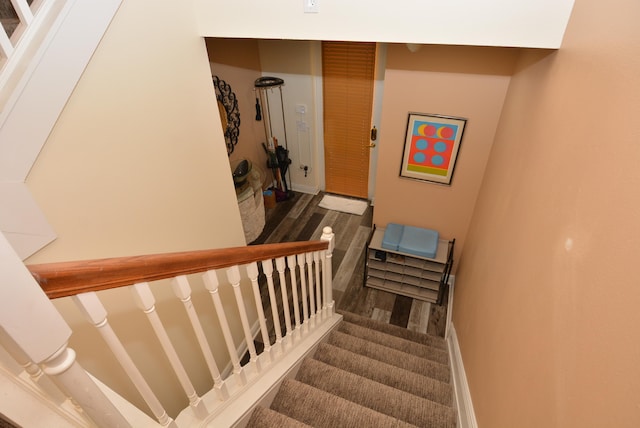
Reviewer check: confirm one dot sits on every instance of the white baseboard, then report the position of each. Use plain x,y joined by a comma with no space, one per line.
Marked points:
447,326
464,404
312,190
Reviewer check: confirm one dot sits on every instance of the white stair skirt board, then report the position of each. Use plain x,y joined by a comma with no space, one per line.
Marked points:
346,205
464,405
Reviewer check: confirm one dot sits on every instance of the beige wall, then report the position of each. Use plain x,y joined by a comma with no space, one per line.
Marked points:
465,22
546,306
240,62
237,62
136,164
297,62
464,82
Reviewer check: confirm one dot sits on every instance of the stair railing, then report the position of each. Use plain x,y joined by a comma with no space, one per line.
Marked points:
303,276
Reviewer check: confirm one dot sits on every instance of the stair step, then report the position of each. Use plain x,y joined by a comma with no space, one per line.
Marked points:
419,350
322,409
390,356
263,417
396,377
377,396
394,330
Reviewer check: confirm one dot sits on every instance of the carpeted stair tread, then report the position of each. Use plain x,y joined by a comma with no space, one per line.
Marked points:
263,417
394,330
390,356
419,350
321,409
396,377
377,396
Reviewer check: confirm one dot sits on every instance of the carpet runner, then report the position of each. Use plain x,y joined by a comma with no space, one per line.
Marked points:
367,374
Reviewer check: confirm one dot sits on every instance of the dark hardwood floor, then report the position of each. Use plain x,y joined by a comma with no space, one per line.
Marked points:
300,218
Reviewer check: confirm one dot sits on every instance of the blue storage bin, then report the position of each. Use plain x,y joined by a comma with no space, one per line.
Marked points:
392,236
419,242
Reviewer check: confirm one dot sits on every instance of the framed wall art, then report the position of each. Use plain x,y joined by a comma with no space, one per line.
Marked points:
431,147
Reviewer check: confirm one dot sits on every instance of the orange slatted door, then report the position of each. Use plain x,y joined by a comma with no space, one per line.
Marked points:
348,77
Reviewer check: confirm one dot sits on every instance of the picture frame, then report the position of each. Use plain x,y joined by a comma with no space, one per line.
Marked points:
431,147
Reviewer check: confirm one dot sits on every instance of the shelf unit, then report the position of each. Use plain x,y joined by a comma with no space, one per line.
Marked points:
407,274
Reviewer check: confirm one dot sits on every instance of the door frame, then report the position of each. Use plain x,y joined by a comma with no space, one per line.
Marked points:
376,113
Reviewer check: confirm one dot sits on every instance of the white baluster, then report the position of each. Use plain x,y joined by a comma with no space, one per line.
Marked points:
327,268
319,297
145,301
280,266
211,283
291,263
312,300
96,314
252,272
233,275
303,288
267,268
182,290
6,47
23,11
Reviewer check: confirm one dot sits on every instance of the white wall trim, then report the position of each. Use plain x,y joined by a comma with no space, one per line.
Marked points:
514,23
447,326
312,190
48,82
376,114
38,99
21,220
464,404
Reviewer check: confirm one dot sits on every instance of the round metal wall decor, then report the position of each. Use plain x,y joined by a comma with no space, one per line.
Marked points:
229,113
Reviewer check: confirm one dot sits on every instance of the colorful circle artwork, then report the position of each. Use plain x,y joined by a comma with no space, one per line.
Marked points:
422,144
419,157
439,147
431,146
437,160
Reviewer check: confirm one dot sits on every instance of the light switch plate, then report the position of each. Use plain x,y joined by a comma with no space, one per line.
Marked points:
311,6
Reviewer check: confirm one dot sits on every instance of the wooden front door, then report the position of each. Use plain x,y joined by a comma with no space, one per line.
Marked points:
348,71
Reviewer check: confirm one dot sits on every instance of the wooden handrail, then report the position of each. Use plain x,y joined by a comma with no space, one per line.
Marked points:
71,278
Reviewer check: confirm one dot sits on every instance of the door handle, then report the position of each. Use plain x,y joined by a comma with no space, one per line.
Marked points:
372,145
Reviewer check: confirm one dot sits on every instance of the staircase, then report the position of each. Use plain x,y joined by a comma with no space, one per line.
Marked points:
319,368
367,374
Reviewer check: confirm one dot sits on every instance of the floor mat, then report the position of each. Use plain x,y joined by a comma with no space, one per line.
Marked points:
346,205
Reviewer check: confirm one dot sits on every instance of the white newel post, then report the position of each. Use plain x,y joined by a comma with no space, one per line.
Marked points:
73,379
320,297
45,383
30,319
329,236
